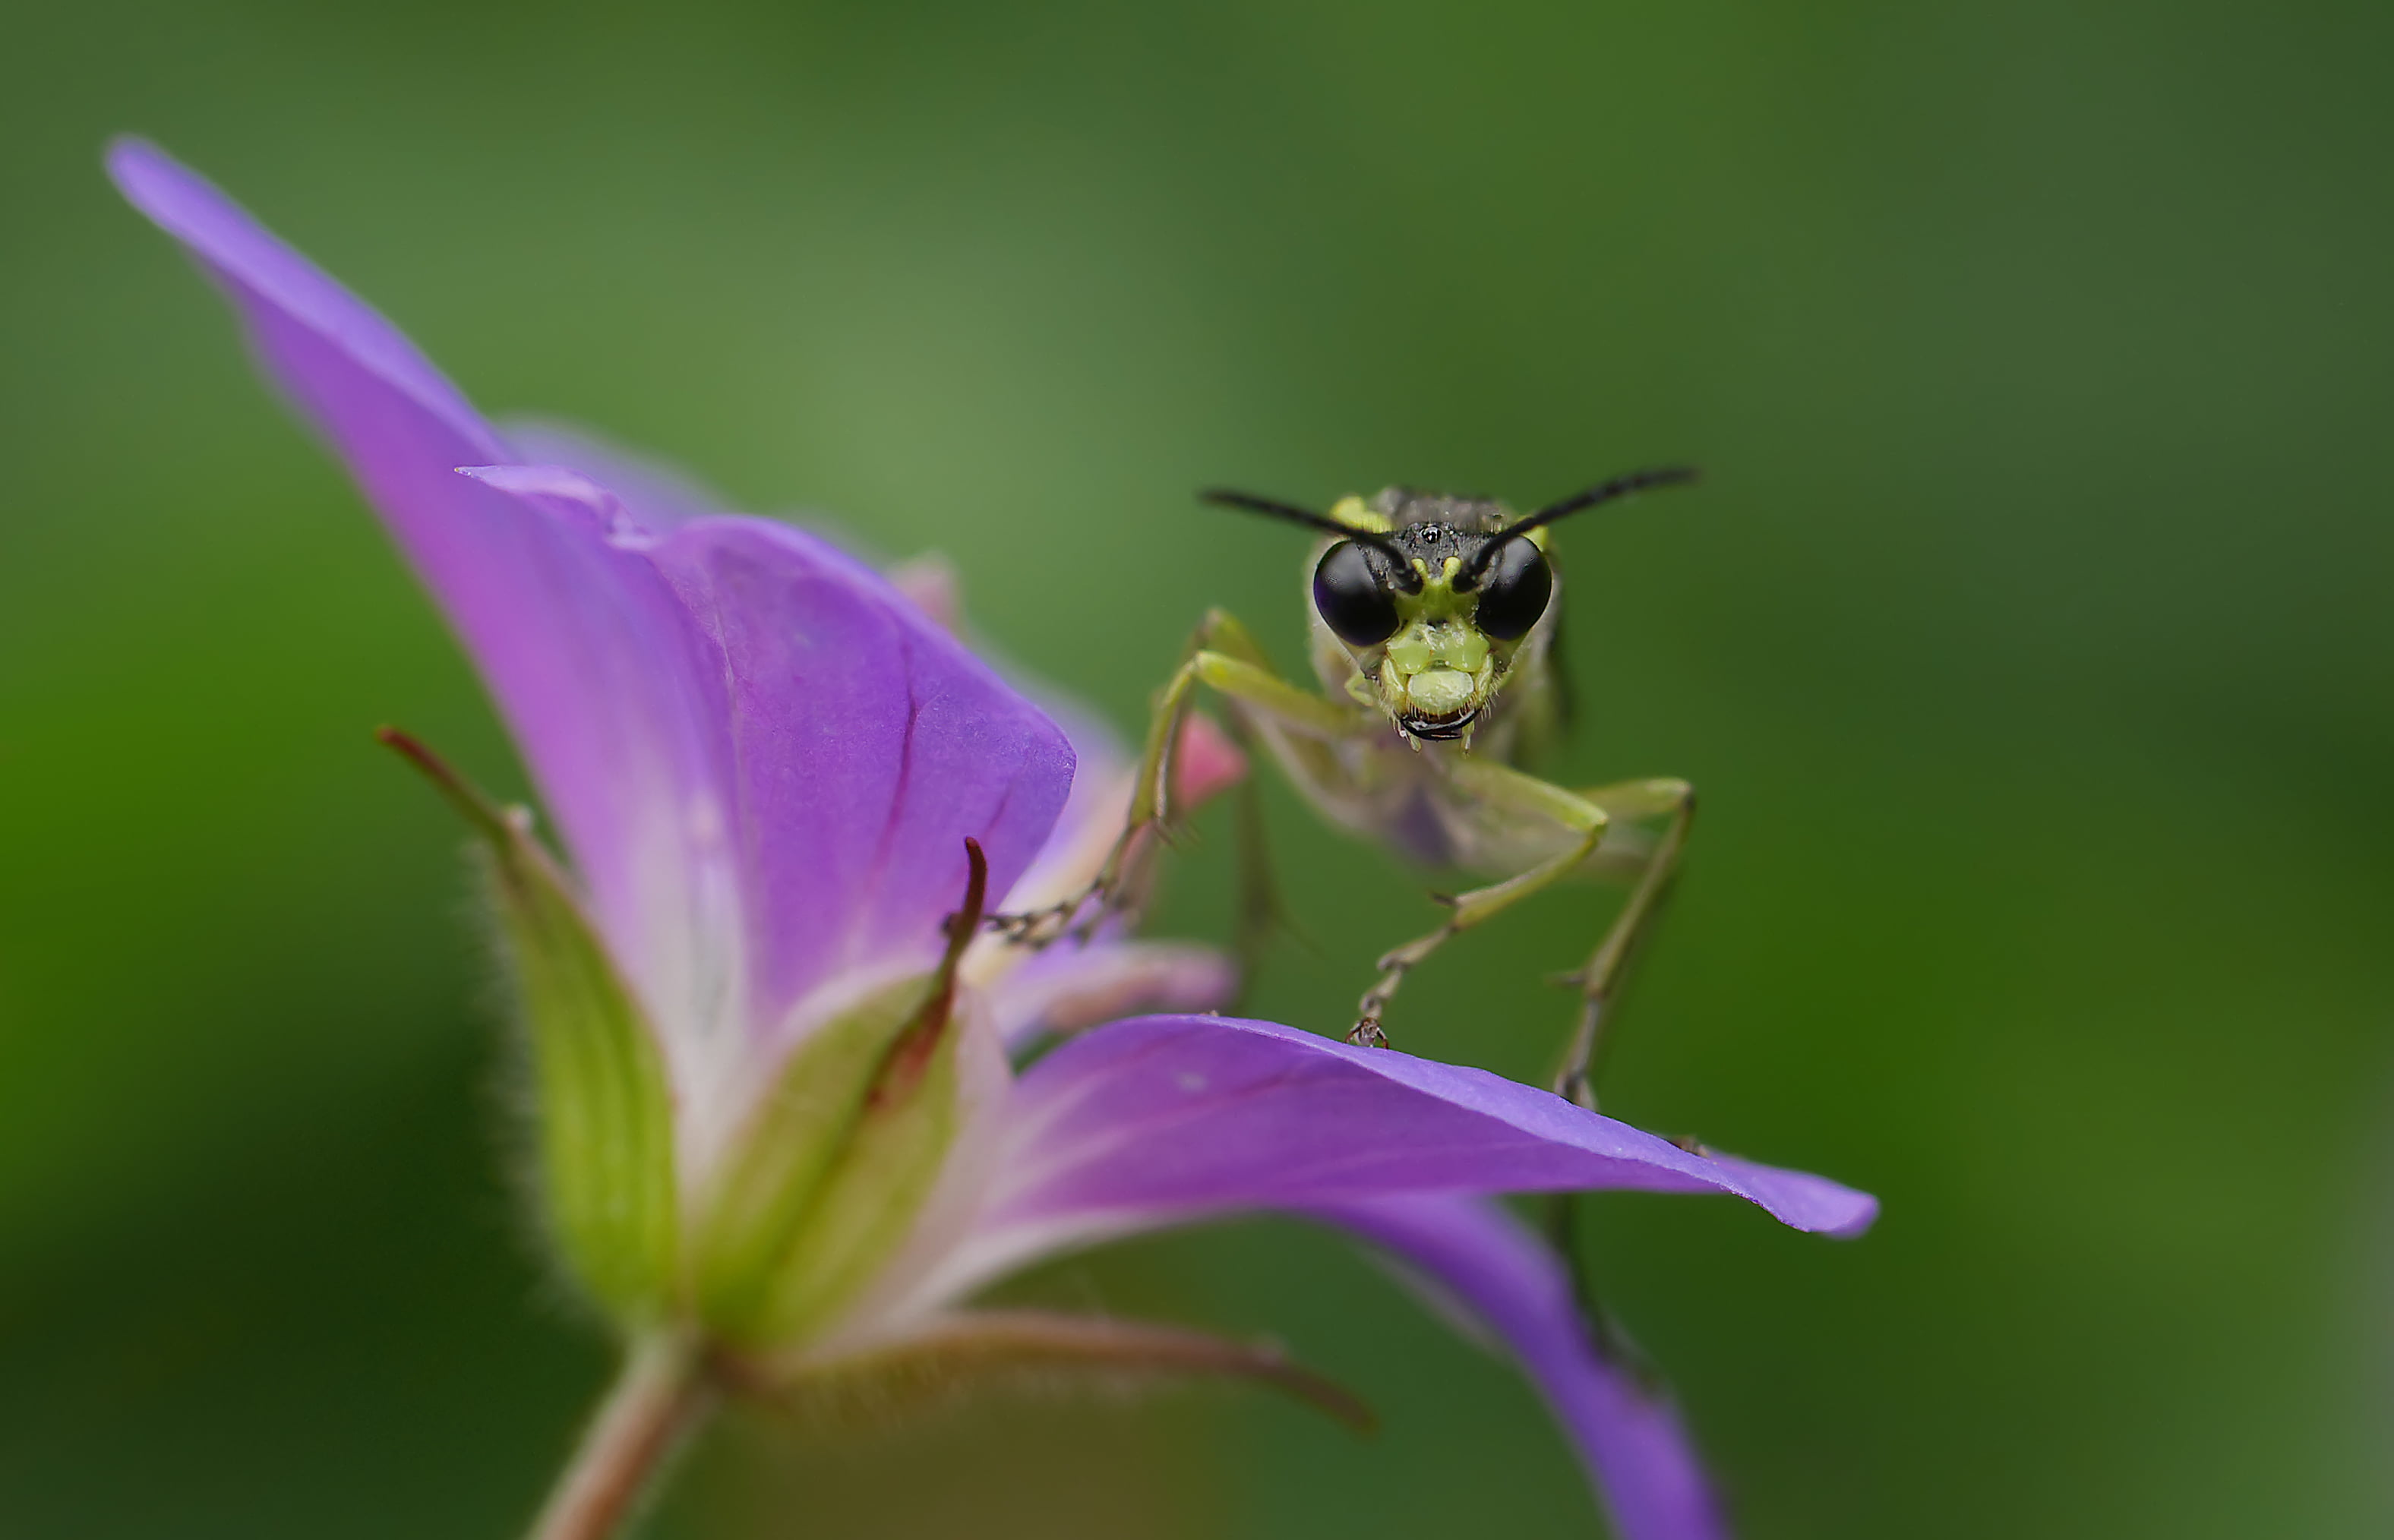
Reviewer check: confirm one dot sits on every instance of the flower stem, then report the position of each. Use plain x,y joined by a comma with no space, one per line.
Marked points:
661,1395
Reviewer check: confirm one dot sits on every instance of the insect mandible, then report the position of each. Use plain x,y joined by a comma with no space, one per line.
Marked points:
1434,626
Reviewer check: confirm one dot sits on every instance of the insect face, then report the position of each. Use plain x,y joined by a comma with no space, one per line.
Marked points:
1405,595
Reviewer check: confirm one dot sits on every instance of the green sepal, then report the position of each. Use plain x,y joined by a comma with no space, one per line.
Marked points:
833,1164
955,1356
870,1197
760,1203
603,1106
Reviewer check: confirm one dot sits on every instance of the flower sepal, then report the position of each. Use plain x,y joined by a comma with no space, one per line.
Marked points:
838,1157
962,1353
601,1101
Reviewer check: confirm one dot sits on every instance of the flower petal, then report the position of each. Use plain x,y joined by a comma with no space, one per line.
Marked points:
594,663
297,316
1479,1258
867,745
1069,989
1164,1119
659,496
1209,763
743,735
613,699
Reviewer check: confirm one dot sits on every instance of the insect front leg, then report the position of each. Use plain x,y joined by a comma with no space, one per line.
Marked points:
1600,976
1106,893
1499,791
1222,656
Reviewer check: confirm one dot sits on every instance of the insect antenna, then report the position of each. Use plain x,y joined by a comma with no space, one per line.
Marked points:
1407,579
1578,502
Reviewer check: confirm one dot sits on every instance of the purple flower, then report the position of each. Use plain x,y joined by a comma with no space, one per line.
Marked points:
781,1140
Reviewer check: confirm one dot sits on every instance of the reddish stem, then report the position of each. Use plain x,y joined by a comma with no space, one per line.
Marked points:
660,1396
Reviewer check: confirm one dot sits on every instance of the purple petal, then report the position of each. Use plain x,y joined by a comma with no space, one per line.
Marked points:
1092,816
1169,1118
396,418
1069,989
813,639
660,497
1480,1258
1100,795
554,613
867,743
743,735
614,698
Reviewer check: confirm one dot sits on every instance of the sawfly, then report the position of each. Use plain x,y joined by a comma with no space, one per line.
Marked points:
1434,626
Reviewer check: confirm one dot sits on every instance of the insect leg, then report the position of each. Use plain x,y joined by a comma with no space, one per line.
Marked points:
1261,910
1500,788
1601,977
1598,980
1223,657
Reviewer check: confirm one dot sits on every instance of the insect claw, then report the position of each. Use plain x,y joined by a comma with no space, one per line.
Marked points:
1692,1145
1366,1034
1039,928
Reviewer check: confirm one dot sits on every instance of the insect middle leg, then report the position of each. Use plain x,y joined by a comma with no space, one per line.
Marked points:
1261,911
1503,791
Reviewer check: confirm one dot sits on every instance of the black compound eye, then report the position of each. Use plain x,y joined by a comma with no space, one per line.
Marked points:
1351,598
1514,590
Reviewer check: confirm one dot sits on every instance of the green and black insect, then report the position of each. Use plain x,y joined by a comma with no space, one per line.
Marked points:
1434,623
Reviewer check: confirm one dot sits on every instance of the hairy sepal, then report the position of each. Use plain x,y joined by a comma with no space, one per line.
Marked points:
833,1163
602,1104
976,1352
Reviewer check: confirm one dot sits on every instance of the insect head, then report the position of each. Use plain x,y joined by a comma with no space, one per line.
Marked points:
1430,596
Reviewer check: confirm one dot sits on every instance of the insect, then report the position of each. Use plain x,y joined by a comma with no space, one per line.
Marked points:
1434,626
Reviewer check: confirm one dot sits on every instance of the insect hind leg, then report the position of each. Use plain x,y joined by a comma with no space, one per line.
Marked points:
1599,980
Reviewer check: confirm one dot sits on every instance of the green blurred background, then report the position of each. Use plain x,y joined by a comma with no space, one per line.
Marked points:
2029,641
